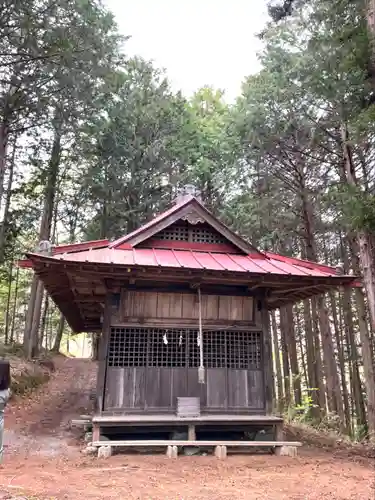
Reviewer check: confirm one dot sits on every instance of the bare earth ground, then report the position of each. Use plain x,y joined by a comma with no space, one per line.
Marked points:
43,460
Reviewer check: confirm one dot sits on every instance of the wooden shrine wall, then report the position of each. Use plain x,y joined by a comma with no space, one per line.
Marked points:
148,368
146,374
165,307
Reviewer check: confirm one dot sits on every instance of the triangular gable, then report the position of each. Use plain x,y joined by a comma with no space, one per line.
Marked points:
190,210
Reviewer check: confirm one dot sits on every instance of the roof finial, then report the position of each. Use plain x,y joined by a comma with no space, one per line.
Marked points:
187,191
44,247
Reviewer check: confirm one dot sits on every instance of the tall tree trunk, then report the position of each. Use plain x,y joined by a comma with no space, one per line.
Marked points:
95,339
9,295
36,296
43,328
311,362
284,349
366,247
59,334
335,401
320,373
366,243
276,350
347,307
11,337
5,222
366,240
4,137
311,254
300,344
354,357
296,381
341,357
370,16
29,317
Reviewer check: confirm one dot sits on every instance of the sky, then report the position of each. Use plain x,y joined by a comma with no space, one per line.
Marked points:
197,42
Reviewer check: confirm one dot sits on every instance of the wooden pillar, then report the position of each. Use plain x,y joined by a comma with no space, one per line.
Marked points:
267,359
95,432
103,351
191,433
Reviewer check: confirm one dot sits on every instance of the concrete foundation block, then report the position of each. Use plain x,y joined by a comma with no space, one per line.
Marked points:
172,451
105,452
288,451
221,452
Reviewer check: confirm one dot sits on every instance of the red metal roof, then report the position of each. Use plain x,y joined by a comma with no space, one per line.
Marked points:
234,262
69,248
188,205
126,252
189,259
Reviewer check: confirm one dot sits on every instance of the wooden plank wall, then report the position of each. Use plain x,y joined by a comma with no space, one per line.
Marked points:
157,307
158,388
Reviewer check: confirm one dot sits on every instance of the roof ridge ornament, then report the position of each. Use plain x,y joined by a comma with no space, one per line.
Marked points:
187,191
193,218
44,247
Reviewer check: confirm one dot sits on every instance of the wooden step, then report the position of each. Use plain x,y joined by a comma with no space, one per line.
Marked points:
169,442
80,422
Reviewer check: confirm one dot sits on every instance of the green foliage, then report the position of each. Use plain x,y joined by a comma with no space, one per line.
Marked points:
361,433
357,207
302,413
130,152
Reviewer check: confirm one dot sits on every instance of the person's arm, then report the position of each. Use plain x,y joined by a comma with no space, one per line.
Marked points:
4,398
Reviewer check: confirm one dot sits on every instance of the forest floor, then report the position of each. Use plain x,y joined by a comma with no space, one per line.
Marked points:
43,460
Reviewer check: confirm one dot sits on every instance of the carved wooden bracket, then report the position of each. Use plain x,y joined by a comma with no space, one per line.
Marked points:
193,218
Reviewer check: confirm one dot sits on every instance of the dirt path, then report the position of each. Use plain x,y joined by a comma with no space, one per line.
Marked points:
40,423
43,460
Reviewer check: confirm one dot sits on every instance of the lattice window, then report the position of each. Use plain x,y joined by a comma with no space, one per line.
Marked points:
174,347
167,348
174,232
206,235
193,349
128,347
214,349
199,233
243,350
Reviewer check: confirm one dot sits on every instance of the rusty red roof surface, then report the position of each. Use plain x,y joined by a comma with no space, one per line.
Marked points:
70,248
189,259
126,252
